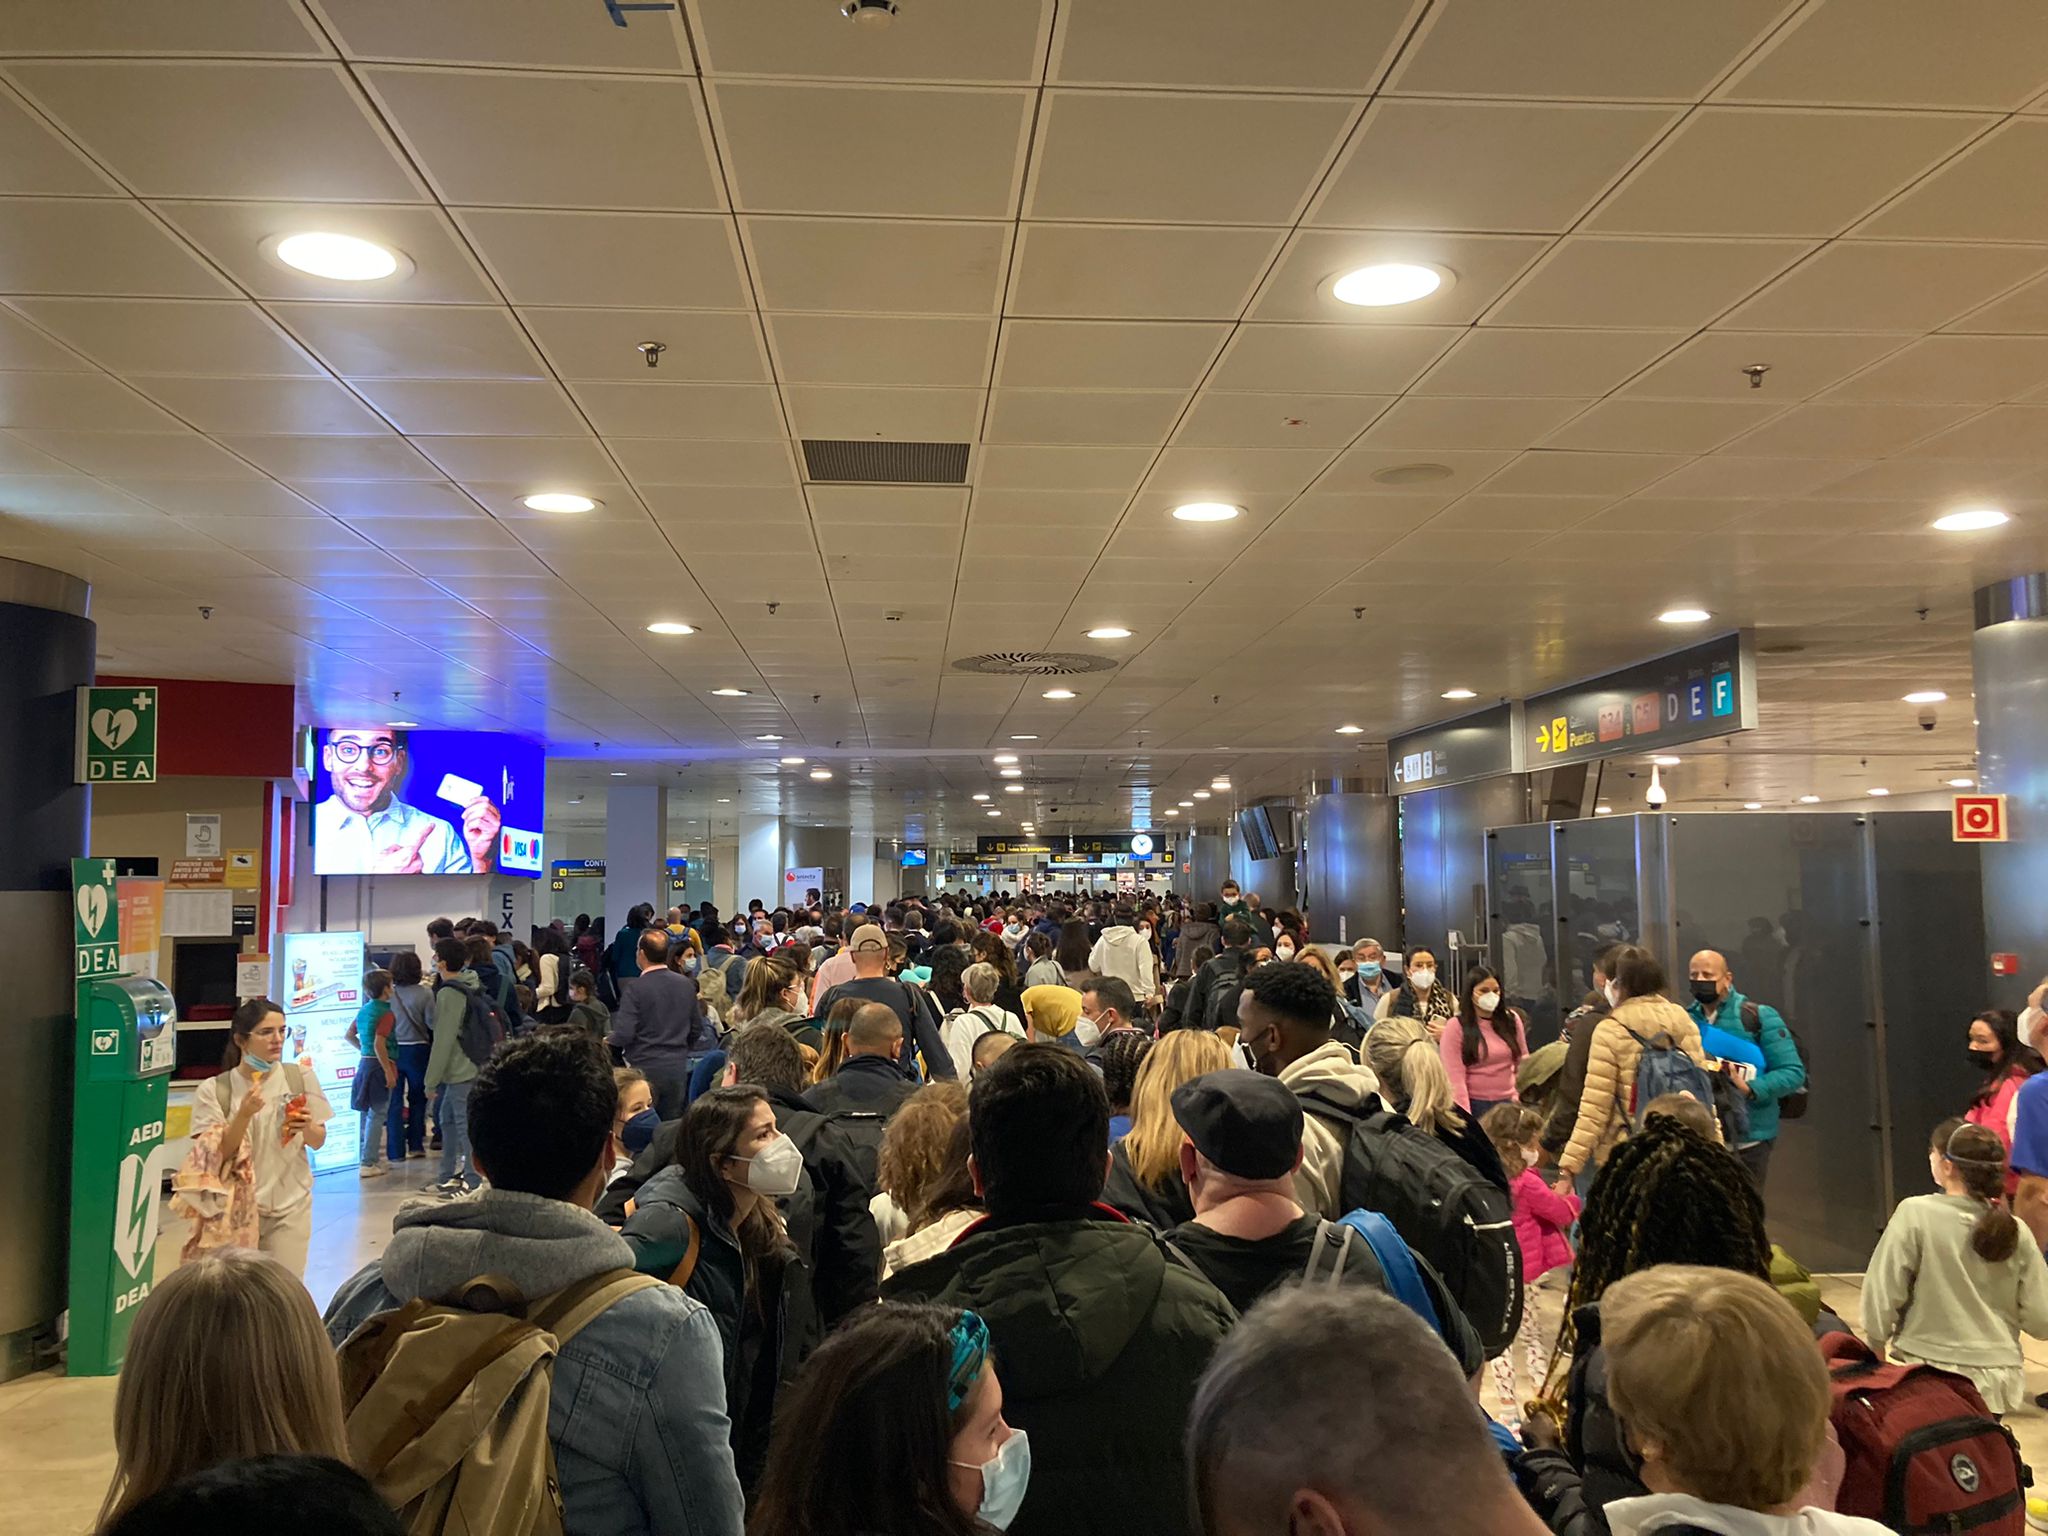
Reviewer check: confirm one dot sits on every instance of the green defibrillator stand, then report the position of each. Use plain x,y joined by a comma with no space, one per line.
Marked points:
127,1046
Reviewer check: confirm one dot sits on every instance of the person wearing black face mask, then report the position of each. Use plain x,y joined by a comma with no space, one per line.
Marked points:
1997,1051
1738,1030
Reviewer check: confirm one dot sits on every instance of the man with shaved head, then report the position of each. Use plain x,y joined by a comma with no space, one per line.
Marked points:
1753,1034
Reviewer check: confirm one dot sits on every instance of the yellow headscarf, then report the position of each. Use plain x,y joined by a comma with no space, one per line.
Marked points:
1052,1011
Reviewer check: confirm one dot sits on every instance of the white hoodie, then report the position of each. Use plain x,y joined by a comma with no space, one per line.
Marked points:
1654,1512
1124,953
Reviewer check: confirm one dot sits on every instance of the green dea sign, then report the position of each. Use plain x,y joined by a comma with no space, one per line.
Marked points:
116,736
95,919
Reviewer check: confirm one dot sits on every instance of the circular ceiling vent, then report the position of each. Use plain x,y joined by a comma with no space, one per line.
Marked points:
1034,664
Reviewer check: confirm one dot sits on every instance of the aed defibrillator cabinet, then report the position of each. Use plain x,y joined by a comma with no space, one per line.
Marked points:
127,1046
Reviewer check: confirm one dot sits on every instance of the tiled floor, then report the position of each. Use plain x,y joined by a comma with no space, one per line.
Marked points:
56,1450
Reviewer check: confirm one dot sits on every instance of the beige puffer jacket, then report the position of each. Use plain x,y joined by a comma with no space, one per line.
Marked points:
1604,1106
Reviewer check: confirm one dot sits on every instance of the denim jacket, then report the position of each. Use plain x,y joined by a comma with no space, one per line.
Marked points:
637,1411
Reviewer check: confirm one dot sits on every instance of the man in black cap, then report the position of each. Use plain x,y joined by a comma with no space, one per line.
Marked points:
1240,1145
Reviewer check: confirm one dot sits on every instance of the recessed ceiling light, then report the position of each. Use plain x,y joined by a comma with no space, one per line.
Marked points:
1207,512
1170,811
1109,632
1962,783
558,501
1023,738
792,762
1665,762
1013,789
724,801
730,693
1201,794
664,627
1219,783
981,797
993,811
1926,696
1459,693
821,773
1972,520
1005,757
1010,773
1879,790
1387,282
1187,802
1350,730
1057,693
402,725
343,258
1809,799
1752,805
1603,810
1684,616
1412,474
618,773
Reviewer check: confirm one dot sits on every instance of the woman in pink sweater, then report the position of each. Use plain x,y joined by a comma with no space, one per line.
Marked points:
1483,1046
1543,1223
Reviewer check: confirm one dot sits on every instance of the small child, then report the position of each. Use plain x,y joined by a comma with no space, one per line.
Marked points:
1954,1279
376,1073
1543,1223
634,1122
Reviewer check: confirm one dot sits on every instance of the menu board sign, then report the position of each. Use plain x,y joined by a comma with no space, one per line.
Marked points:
1696,694
1481,745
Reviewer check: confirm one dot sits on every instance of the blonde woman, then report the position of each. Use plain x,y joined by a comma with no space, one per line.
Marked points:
1144,1173
1434,1108
227,1360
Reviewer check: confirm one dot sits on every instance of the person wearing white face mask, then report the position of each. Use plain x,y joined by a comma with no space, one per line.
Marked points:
709,1223
1482,1046
1419,996
896,1425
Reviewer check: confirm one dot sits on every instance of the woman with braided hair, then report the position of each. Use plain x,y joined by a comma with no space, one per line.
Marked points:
1667,1195
1952,1284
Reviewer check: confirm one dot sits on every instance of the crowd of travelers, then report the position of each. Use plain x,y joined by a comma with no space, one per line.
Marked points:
1066,1216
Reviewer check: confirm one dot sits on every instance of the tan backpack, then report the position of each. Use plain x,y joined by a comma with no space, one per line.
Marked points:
448,1404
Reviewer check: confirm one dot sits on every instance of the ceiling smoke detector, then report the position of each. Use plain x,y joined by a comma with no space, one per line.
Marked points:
1412,474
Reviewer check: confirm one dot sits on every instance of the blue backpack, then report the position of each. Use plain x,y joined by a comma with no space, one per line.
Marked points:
1663,1067
1396,1261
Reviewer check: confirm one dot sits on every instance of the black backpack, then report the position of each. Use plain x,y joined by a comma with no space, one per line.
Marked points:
1793,1105
484,1025
1444,1208
1220,1011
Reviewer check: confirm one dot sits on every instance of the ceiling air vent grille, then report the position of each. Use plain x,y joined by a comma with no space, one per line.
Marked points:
1034,664
861,462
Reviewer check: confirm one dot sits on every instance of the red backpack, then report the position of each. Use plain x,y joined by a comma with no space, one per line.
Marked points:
1923,1452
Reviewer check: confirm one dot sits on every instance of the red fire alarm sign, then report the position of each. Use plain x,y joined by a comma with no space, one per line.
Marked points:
1980,819
2003,964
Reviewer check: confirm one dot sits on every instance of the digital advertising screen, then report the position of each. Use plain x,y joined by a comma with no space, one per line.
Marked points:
914,858
391,802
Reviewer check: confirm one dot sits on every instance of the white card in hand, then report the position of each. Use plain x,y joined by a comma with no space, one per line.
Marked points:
457,790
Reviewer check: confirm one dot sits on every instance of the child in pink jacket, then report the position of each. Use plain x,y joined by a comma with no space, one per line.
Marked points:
1543,1223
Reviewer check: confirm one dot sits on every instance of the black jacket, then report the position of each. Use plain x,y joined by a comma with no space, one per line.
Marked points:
1165,1207
1571,1080
872,1083
1571,1489
1222,969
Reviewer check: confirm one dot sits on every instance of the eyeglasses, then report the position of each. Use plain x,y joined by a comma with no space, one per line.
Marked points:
352,752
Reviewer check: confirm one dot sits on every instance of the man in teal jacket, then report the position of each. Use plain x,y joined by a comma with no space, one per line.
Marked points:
1715,1001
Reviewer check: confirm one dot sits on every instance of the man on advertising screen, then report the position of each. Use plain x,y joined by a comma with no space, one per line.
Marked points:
362,826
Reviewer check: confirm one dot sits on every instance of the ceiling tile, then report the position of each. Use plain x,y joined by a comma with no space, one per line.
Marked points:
100,27
1864,286
1829,431
475,407
1104,354
1327,45
1563,472
550,463
488,32
139,119
1662,426
681,410
220,498
1220,419
877,266
1494,361
553,141
1710,367
1720,476
1482,165
1970,197
1082,416
1759,171
1107,271
917,351
333,458
36,161
1604,282
176,455
1483,509
911,506
2006,432
1328,359
2025,311
172,336
75,245
1483,265
1422,422
440,269
1004,467
699,346
1938,483
1159,157
897,415
296,407
359,499
1599,49
1986,53
653,461
965,43
17,458
632,260
951,153
1981,370
1354,471
24,348
998,512
1233,474
413,341
77,401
